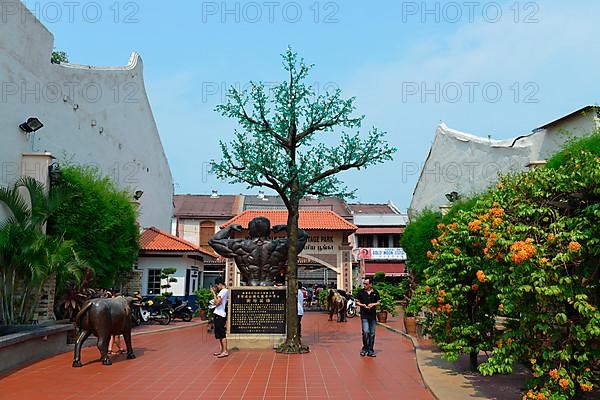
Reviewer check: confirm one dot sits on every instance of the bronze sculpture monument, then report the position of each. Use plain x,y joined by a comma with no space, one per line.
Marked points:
104,318
258,258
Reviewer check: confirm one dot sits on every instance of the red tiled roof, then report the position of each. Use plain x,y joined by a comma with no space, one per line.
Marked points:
205,206
371,209
153,239
309,219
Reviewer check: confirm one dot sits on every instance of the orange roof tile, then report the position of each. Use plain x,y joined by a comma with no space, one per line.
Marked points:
153,239
309,219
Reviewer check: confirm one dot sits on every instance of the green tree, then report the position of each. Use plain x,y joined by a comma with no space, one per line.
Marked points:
101,221
59,57
277,148
28,257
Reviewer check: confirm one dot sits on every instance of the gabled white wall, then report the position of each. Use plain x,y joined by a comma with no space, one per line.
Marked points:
92,116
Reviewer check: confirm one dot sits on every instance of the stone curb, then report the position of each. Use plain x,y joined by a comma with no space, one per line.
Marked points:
170,328
417,350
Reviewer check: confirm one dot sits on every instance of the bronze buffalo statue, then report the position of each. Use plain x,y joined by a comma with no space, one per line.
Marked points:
104,318
336,304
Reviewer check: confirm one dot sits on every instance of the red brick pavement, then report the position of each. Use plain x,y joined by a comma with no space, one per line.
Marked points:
179,365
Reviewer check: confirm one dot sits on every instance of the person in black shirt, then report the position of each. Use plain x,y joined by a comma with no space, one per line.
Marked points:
280,277
368,300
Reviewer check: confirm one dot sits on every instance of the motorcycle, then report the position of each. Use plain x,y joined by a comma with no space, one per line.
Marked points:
152,311
351,308
182,311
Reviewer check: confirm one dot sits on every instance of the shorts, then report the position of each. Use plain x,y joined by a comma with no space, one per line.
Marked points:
220,329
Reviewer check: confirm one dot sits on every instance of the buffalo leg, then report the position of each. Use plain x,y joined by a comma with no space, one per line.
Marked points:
103,341
83,335
127,337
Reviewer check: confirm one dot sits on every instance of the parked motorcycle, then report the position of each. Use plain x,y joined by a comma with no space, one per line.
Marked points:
153,311
182,311
351,308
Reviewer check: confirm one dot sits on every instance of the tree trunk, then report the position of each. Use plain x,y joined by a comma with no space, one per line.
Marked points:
292,343
473,360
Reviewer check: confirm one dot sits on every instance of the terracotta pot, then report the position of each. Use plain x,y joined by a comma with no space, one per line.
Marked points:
382,316
410,325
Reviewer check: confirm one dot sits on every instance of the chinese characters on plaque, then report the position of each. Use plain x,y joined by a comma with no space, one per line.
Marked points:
258,311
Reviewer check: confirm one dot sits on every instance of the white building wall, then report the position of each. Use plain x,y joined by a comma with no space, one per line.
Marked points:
93,116
181,263
469,164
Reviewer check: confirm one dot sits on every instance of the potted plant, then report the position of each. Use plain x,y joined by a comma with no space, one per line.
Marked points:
410,317
388,305
203,297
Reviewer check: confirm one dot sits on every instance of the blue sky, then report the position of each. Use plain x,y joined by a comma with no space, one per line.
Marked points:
488,68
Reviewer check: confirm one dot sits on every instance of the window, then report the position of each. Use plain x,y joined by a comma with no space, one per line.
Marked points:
382,241
207,230
154,281
396,241
365,240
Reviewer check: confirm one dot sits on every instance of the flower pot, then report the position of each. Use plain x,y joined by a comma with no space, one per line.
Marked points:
382,316
202,315
410,325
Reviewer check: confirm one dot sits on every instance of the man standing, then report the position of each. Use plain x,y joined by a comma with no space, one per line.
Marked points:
220,315
368,300
300,308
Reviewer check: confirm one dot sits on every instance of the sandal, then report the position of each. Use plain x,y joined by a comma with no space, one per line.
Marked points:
217,353
223,355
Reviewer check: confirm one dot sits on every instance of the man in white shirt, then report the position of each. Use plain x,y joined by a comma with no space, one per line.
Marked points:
220,315
300,308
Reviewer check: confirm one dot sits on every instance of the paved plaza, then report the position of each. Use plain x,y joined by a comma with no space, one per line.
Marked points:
179,365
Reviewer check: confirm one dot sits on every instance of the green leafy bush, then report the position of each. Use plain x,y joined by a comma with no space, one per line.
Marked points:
100,220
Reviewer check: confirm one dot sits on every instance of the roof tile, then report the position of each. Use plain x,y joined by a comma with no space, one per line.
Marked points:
309,219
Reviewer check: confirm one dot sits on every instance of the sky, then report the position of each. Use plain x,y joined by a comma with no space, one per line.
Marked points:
498,68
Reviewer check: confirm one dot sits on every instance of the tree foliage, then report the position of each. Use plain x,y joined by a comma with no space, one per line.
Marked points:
528,251
28,257
278,147
100,220
59,57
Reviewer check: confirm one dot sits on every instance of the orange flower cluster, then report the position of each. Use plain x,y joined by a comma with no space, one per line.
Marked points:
522,250
501,309
534,396
441,226
429,254
574,246
434,242
585,387
496,222
496,211
499,186
551,237
563,383
453,226
475,225
442,293
444,308
475,287
427,289
480,276
554,374
509,341
500,343
543,260
456,251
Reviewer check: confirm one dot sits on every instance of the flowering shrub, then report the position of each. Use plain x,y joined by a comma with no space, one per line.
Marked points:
529,251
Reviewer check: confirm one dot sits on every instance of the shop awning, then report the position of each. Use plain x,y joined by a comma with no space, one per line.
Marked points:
390,269
378,231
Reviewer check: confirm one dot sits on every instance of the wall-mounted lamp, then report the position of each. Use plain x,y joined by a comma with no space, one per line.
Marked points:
32,125
138,195
453,196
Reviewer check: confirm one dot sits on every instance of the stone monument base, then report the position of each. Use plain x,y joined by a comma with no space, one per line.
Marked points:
254,341
256,317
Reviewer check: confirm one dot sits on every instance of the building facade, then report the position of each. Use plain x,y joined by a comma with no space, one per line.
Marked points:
93,116
159,250
376,242
468,164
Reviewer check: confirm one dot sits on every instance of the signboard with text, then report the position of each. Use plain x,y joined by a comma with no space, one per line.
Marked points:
382,253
